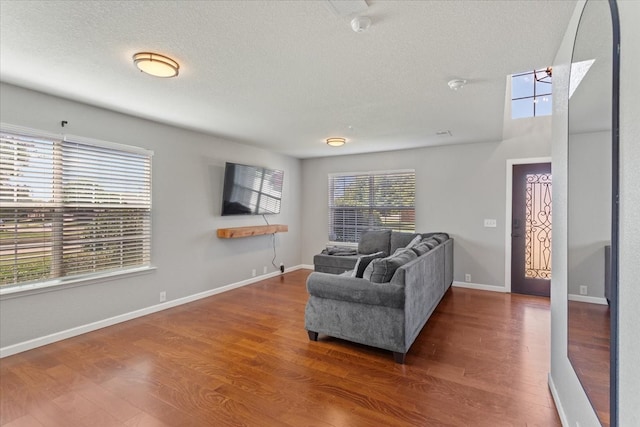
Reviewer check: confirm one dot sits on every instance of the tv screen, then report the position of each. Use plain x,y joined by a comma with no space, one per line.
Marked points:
251,190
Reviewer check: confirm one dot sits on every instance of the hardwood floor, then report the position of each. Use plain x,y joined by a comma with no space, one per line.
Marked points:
589,334
243,358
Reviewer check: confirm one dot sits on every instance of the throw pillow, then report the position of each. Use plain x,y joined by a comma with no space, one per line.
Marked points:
432,243
381,270
440,237
414,242
397,251
421,248
363,262
400,240
374,241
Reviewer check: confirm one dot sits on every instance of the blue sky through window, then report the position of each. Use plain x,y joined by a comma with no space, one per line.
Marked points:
531,94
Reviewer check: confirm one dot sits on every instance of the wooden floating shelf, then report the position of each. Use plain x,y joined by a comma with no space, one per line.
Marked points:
256,230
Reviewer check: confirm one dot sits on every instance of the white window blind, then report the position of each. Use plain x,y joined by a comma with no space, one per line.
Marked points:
373,200
70,208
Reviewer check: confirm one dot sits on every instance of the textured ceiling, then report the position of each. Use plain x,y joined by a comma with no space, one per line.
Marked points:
285,75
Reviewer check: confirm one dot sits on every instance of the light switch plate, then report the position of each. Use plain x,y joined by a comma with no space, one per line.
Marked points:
490,223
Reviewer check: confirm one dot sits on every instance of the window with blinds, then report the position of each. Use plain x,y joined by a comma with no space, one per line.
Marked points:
372,200
71,208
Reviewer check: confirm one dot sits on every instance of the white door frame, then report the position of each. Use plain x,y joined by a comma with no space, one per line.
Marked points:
507,223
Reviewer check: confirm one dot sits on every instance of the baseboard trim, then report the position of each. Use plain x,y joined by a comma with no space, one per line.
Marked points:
556,400
306,266
478,286
90,327
590,300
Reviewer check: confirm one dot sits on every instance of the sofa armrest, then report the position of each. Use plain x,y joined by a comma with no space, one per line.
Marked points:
352,289
333,263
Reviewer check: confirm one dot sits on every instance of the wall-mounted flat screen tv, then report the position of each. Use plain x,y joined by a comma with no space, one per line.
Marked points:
251,190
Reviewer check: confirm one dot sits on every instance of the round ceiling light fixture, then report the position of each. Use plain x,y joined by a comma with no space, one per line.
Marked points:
155,64
360,24
336,142
456,84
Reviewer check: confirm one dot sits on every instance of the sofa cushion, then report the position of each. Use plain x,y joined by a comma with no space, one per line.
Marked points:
433,233
400,240
440,237
334,264
364,261
432,243
414,241
422,248
373,241
340,251
351,290
381,270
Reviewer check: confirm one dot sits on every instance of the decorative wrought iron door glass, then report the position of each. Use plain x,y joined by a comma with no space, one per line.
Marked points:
538,226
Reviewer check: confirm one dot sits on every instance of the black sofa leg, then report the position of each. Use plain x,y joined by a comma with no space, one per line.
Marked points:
399,357
313,336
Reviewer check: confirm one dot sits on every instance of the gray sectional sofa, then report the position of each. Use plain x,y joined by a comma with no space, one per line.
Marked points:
338,260
386,303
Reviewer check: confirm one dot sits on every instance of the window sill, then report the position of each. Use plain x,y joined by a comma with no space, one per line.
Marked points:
60,284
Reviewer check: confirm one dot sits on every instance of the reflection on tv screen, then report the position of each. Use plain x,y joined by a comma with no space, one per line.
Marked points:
251,190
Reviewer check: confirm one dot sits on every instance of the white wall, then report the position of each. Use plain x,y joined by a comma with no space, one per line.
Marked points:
457,187
629,332
188,172
571,399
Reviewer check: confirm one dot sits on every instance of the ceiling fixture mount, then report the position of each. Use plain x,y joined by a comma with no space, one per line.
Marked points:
456,84
344,8
155,64
360,24
548,73
336,142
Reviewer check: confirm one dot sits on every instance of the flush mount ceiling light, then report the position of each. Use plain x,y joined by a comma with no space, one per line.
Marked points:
360,24
456,84
336,142
155,64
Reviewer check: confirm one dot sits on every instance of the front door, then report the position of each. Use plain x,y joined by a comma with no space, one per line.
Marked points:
531,229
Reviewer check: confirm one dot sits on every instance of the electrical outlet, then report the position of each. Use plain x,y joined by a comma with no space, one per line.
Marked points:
467,277
492,223
253,273
281,267
264,270
583,290
163,296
